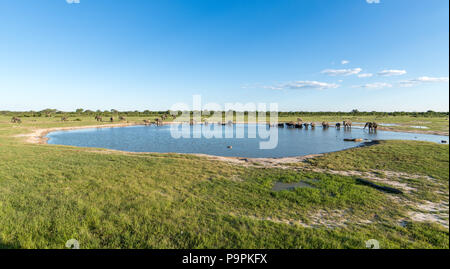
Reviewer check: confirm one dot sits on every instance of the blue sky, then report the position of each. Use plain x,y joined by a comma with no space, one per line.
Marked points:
327,55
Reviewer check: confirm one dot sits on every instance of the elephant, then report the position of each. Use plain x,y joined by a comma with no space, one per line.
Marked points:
375,125
281,125
325,124
347,124
306,125
121,118
338,125
147,122
158,122
371,125
64,118
290,124
313,125
16,120
98,118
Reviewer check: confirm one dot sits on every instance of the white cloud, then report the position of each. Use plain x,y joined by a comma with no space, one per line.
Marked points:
431,79
376,85
303,85
424,79
341,72
345,62
365,75
373,1
389,73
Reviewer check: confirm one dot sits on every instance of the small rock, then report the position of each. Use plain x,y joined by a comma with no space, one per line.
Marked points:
444,142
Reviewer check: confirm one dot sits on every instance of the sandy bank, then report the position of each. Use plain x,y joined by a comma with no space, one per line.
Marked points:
38,135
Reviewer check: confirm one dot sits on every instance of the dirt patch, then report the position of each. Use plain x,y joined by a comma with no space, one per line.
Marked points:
427,217
404,175
431,212
262,162
424,211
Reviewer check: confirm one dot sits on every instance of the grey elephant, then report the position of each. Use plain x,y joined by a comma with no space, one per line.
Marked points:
347,124
373,126
16,120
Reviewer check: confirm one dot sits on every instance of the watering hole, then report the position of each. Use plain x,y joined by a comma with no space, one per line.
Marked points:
290,142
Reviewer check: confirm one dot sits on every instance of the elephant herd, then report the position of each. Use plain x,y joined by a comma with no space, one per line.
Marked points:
346,124
111,119
157,122
372,126
205,122
300,124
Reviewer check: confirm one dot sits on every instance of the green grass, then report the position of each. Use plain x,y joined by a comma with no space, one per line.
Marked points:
50,194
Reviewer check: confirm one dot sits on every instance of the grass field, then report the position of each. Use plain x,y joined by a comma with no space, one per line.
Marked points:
106,199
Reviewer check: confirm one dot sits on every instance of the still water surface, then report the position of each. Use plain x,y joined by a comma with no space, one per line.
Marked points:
291,142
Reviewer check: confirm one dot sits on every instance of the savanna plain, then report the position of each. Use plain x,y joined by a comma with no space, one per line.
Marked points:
112,199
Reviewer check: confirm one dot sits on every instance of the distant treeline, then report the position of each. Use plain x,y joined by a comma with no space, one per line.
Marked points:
113,112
